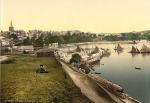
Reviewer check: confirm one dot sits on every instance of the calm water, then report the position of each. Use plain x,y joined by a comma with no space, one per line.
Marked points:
120,69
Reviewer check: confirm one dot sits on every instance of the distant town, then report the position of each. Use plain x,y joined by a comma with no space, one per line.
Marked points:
39,38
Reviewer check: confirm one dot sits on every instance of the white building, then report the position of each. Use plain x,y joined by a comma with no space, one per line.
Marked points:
4,41
28,48
53,45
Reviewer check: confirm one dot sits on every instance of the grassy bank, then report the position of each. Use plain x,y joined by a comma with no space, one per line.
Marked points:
21,82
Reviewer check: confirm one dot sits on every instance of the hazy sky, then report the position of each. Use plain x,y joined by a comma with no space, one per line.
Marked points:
84,15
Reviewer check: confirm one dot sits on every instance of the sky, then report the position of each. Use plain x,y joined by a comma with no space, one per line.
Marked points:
100,16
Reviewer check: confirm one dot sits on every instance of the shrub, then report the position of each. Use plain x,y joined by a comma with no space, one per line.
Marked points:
25,52
76,58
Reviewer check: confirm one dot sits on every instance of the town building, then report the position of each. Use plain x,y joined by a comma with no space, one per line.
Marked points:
4,41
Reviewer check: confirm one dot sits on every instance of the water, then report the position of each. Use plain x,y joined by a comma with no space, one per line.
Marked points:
120,69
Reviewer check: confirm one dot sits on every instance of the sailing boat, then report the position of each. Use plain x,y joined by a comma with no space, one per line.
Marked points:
118,48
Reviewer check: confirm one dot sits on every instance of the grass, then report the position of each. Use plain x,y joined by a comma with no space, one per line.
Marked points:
19,81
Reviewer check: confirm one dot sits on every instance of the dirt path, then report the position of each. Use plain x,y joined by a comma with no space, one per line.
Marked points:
88,88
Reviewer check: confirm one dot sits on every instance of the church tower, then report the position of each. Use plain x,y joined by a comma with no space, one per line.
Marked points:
11,28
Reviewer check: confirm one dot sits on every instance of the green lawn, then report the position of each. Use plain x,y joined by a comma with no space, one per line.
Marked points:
19,81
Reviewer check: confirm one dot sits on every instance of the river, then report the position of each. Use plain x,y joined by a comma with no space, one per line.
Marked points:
120,69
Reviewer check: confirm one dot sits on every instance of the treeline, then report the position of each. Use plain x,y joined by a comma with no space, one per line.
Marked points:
62,39
68,38
128,36
48,38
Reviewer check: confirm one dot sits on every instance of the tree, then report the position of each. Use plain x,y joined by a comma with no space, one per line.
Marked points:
76,58
13,36
39,42
46,41
27,41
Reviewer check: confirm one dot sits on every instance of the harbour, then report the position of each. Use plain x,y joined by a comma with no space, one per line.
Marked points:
98,69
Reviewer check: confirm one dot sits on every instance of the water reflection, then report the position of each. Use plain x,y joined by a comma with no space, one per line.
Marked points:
134,54
142,54
145,54
118,52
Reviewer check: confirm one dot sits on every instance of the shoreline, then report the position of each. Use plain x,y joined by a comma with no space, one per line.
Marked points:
87,86
140,43
105,42
119,98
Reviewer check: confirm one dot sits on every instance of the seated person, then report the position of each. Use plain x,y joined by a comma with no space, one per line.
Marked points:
41,69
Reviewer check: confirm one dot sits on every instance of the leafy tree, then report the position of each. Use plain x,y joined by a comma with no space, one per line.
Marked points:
38,42
27,41
76,58
13,36
112,38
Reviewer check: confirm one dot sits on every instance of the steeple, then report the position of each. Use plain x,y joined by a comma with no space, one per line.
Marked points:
11,28
11,24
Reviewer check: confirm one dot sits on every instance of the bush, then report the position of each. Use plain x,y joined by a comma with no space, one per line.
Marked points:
76,58
25,52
